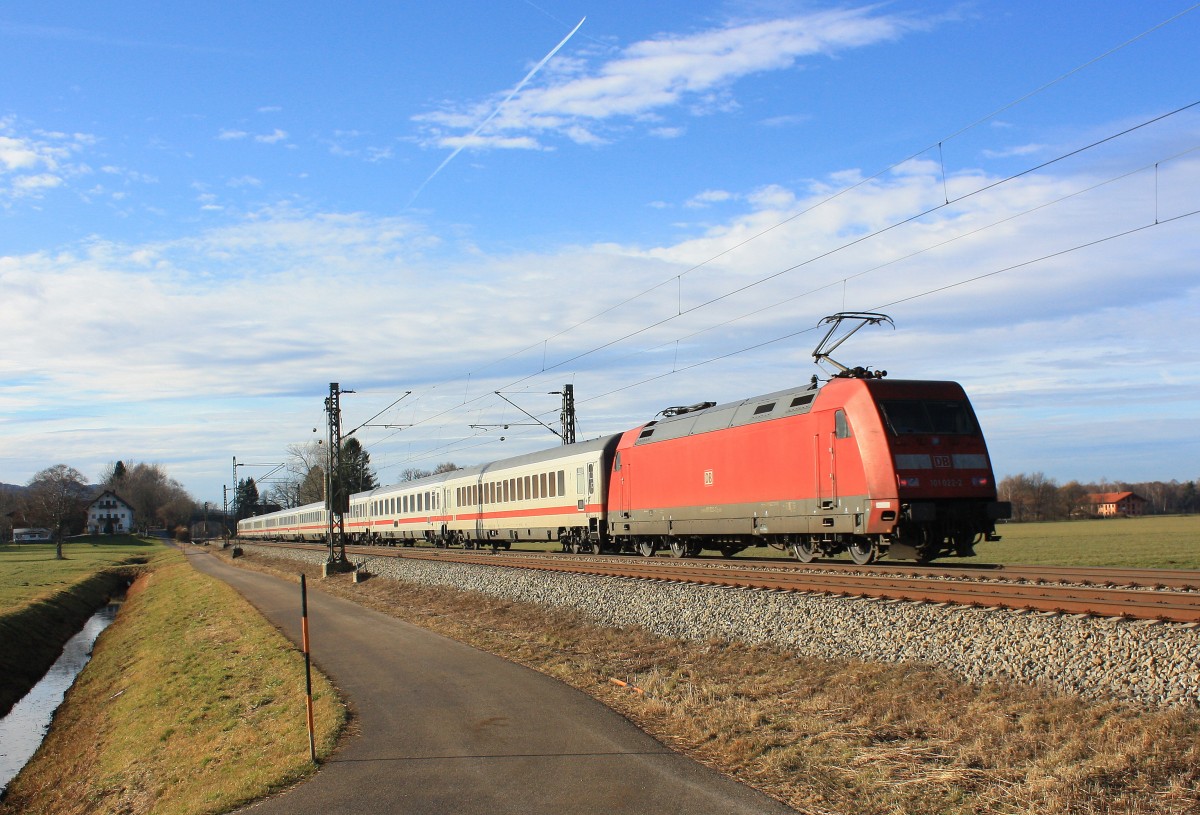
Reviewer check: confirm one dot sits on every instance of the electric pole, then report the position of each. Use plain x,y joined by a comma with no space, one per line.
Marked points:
568,414
337,500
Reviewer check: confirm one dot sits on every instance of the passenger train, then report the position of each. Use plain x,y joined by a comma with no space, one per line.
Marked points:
859,465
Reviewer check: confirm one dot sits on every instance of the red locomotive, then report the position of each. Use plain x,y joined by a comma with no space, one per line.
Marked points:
863,465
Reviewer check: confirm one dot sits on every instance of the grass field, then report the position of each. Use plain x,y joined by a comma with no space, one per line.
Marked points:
1158,542
191,704
30,571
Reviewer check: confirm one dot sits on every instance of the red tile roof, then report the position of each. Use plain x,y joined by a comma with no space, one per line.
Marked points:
1111,497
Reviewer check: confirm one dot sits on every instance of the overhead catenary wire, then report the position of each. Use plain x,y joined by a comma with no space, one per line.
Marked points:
548,366
851,187
680,369
926,293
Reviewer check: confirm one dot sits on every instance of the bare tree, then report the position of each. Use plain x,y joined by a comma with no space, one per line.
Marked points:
57,496
295,488
155,496
413,473
312,488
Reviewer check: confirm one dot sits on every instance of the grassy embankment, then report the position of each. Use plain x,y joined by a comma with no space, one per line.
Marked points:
837,736
192,703
44,601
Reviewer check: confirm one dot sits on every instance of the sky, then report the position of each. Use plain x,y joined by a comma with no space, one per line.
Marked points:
209,213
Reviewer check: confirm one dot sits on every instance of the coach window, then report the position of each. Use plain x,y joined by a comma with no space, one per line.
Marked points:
842,427
551,493
579,482
542,485
520,489
562,482
528,492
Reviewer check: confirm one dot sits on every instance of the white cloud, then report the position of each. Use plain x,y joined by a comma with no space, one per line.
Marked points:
232,135
695,70
272,138
16,154
708,198
480,141
34,184
258,317
33,163
1016,151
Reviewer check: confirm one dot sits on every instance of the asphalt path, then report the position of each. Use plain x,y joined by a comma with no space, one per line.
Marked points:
440,727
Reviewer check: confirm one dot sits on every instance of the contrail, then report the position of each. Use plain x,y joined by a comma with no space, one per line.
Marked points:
499,107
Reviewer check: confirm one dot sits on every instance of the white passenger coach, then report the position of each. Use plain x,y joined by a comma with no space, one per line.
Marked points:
551,495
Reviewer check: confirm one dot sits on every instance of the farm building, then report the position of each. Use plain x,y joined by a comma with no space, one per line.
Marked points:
1116,504
109,514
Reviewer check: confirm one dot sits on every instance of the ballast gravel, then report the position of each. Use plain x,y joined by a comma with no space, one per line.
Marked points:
1146,662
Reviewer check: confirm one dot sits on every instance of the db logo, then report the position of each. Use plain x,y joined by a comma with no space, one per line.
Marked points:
941,462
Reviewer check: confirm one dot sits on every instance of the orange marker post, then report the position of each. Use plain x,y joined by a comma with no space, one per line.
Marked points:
312,744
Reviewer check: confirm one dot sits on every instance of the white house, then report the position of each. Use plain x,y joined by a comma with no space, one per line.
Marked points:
109,514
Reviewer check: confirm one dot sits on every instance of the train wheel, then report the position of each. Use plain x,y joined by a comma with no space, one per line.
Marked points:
679,548
862,551
804,550
646,547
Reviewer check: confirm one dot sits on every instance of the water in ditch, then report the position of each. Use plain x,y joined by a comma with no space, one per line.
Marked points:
23,729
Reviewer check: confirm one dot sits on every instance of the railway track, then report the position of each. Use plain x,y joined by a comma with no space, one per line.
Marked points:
1151,594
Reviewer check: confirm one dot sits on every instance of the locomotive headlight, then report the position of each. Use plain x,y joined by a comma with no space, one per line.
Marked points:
980,481
908,481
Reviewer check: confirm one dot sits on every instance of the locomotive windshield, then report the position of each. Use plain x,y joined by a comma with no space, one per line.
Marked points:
928,416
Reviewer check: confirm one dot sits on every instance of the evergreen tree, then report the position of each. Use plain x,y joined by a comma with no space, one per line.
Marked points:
245,499
356,473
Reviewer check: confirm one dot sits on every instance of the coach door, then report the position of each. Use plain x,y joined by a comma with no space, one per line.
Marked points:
624,474
825,456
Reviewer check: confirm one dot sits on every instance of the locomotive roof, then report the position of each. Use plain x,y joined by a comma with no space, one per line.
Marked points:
789,402
776,405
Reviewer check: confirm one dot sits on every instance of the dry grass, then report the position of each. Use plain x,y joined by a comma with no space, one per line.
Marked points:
834,737
192,704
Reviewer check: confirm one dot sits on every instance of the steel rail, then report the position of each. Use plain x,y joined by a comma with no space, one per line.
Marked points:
997,590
